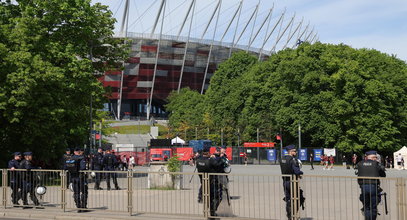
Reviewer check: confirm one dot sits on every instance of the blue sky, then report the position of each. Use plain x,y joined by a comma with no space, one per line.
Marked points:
376,24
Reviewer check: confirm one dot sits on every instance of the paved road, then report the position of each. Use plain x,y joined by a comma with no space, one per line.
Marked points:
255,192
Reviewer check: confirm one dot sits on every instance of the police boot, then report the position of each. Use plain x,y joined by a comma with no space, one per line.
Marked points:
117,187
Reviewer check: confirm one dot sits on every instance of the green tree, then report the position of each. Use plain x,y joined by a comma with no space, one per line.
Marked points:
47,78
343,97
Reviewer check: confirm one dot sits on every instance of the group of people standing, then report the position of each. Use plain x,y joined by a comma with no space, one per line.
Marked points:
23,183
218,184
371,192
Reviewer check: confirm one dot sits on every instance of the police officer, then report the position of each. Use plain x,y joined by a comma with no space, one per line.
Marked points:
15,178
370,188
97,164
109,164
79,183
209,164
290,166
29,180
65,157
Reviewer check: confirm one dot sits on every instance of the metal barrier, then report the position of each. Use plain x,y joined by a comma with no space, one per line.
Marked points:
238,196
33,188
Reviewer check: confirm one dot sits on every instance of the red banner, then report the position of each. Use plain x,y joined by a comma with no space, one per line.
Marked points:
259,144
184,153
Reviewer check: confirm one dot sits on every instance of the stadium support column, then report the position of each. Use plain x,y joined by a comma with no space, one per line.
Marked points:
211,47
292,35
267,31
245,27
281,36
163,4
254,24
125,23
313,38
237,25
272,31
261,27
309,35
299,37
187,44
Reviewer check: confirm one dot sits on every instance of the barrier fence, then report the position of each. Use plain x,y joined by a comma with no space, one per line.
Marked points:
232,195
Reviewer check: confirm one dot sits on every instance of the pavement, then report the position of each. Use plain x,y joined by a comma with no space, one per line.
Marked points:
255,192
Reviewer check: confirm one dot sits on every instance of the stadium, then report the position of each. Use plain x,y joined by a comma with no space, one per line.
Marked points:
177,44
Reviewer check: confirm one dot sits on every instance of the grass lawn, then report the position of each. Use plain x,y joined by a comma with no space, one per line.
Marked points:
136,129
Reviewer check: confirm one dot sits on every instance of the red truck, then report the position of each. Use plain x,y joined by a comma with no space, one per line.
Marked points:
160,154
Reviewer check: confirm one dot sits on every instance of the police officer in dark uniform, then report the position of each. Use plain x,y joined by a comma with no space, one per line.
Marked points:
15,178
209,164
65,157
370,188
97,164
290,166
29,180
109,164
79,183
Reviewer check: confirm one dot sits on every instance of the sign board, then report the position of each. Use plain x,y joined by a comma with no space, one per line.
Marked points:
271,154
184,153
330,152
303,154
241,154
259,144
317,154
285,152
249,151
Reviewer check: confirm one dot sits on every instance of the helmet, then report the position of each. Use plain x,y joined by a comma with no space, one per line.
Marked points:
41,190
93,174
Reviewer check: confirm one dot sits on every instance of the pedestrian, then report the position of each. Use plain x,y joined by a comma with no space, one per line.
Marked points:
311,161
289,166
132,163
125,163
97,165
29,180
209,164
331,161
344,161
370,188
109,164
326,162
399,158
354,160
245,159
15,178
65,157
74,166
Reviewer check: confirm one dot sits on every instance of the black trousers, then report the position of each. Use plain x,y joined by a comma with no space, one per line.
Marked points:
15,191
114,177
80,191
28,187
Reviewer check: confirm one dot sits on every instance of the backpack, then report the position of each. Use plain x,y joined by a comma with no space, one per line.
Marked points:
72,165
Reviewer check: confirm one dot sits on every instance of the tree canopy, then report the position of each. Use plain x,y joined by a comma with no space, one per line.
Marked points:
49,54
351,99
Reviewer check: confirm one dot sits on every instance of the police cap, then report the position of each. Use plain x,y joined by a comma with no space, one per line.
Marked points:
372,152
290,147
68,149
28,153
17,153
77,149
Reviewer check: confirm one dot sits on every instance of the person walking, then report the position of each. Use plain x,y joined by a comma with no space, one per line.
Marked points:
311,161
289,166
110,163
370,188
74,165
132,163
15,178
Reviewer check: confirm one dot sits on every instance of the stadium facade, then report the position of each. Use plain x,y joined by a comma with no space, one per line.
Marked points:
161,63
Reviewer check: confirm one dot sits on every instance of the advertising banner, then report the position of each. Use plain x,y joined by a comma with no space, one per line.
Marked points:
317,154
330,151
184,153
271,154
303,154
259,144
